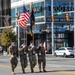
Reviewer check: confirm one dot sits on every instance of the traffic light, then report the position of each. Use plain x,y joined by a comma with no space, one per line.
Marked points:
67,17
52,18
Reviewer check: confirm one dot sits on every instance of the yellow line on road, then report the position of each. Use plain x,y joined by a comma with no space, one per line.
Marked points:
68,72
4,66
62,71
58,71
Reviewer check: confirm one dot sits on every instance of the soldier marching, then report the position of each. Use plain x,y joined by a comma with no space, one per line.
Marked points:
41,56
29,51
23,56
32,56
13,51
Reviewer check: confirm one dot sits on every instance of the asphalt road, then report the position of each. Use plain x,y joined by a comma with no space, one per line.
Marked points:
54,66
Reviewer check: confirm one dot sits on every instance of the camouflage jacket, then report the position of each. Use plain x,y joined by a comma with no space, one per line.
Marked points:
23,52
32,53
13,50
41,52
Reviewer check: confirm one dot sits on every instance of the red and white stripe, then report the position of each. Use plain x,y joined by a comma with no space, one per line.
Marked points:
23,19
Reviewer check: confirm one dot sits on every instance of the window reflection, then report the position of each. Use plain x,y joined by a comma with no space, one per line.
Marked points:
13,13
39,4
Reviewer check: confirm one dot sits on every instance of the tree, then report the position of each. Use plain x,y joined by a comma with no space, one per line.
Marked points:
7,36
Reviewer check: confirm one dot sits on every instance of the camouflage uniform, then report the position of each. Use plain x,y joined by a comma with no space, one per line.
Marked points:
41,57
23,57
32,56
13,50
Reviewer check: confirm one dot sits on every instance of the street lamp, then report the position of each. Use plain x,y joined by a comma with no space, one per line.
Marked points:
18,29
52,28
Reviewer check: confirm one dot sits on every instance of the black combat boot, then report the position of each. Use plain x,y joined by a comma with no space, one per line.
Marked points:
23,71
44,70
32,71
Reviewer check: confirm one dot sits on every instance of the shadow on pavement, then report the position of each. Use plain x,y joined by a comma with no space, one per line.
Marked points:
60,70
46,71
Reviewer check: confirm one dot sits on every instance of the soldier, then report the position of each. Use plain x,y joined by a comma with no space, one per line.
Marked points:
41,56
32,56
13,50
23,57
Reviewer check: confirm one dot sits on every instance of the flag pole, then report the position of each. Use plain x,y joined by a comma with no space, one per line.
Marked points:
18,37
33,36
23,20
18,33
32,21
25,34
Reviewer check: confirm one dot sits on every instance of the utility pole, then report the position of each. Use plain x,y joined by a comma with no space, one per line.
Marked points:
18,13
74,24
52,28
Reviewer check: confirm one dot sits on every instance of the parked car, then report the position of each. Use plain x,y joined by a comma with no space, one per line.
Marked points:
64,51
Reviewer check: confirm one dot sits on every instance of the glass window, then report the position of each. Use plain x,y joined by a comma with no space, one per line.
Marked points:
12,23
21,29
69,48
59,49
13,13
37,28
15,0
39,20
63,6
38,9
59,26
27,7
48,9
57,20
62,48
48,26
19,9
43,27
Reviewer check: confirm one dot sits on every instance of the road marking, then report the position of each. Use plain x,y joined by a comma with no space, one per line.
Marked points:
4,66
36,69
68,72
52,65
62,71
60,65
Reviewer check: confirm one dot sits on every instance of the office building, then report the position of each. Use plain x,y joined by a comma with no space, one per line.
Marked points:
63,30
5,10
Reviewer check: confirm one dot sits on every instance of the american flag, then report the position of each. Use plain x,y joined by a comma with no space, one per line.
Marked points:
24,17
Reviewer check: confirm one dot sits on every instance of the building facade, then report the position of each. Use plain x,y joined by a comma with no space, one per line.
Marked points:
63,30
5,10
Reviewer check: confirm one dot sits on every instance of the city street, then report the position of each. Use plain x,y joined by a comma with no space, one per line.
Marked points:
54,66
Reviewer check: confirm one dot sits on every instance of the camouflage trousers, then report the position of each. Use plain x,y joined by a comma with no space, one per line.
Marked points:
13,62
32,62
24,63
41,61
